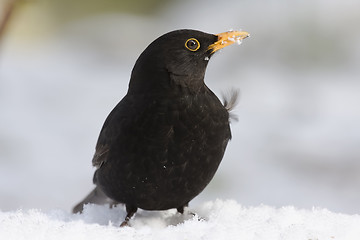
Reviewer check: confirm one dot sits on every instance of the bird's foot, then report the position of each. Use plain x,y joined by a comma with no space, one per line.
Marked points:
131,210
125,223
181,210
200,219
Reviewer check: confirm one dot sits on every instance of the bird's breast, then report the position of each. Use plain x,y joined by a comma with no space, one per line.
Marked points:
169,148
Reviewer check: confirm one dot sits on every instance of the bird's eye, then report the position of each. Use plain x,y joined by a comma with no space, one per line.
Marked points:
192,44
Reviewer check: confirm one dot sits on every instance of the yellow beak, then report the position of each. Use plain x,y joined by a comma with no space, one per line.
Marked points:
226,39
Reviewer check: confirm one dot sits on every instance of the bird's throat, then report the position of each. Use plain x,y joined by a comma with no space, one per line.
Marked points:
187,83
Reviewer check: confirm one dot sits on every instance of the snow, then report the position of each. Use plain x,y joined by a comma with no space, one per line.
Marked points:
219,220
237,39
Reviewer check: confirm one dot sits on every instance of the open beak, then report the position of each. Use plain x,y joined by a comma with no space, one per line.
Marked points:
226,39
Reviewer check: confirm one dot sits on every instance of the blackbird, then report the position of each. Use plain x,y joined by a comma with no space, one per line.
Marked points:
163,142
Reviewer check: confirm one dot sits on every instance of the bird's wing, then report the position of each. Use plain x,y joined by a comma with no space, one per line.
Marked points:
100,155
111,129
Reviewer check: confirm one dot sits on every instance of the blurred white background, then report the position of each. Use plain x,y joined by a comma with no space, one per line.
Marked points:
65,64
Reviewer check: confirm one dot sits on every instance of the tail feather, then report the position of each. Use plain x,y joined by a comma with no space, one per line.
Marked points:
96,196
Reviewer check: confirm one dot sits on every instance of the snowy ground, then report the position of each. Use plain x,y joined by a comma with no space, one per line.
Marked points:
221,220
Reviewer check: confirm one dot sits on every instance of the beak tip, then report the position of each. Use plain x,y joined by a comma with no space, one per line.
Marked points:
228,38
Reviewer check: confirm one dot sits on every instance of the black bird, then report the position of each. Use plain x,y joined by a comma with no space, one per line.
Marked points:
163,142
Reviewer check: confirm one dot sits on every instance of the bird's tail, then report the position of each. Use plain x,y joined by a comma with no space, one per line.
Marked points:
96,196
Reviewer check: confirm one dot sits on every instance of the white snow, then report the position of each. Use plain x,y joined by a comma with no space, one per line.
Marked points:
236,39
222,220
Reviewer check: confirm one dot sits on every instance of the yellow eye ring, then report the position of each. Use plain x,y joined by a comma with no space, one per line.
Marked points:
192,44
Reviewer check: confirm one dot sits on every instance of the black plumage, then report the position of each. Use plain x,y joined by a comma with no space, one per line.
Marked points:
163,142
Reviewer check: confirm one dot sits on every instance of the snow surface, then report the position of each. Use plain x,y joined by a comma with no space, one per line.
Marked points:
221,220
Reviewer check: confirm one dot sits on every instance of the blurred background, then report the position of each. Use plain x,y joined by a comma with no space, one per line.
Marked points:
65,64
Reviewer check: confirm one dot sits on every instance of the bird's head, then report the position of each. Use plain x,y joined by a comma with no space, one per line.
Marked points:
178,59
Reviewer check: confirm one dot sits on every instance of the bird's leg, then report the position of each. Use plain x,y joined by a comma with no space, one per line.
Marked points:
131,210
181,210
